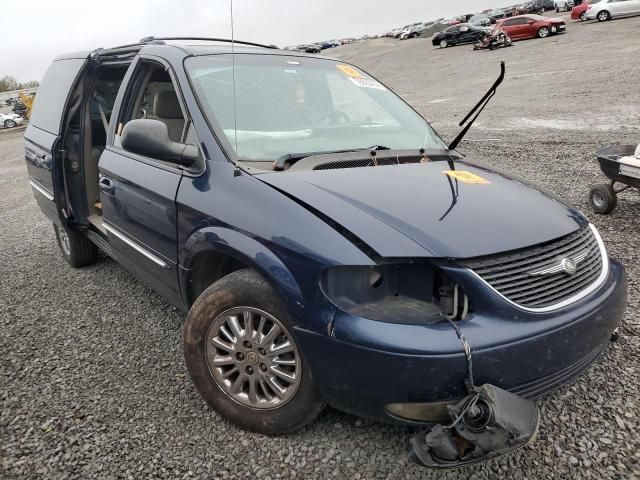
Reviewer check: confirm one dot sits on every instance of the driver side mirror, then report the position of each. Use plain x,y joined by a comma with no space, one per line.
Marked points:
150,138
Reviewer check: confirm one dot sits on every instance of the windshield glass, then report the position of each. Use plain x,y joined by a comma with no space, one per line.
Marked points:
288,105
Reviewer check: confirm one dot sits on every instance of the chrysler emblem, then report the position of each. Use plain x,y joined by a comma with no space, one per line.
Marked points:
569,266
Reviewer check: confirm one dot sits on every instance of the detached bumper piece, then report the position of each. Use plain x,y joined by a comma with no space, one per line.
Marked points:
487,423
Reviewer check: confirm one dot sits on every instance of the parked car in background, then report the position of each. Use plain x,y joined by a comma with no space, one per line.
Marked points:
523,27
10,120
480,20
608,9
579,12
458,34
496,14
416,30
564,5
310,48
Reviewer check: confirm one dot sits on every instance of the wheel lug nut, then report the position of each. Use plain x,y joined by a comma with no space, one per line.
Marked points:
249,369
263,367
246,344
240,356
262,351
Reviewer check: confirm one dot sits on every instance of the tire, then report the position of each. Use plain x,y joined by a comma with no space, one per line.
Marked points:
237,295
583,17
603,16
9,124
543,32
603,199
444,44
76,249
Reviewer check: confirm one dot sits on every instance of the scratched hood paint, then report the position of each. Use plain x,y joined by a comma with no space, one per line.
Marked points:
418,210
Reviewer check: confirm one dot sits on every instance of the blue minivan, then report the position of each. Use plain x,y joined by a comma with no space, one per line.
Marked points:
322,237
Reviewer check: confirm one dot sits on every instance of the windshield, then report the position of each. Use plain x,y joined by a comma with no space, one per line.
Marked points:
292,105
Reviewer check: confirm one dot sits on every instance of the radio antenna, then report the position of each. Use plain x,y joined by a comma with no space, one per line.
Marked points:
233,75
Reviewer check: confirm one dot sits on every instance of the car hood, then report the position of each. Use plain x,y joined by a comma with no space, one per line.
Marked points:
418,210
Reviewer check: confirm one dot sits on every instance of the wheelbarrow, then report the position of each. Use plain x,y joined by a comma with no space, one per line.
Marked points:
620,164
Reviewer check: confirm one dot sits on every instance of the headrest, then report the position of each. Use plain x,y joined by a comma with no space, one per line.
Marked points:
165,105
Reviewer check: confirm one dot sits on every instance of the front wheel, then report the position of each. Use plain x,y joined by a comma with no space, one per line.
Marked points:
583,17
76,249
543,32
9,124
242,356
444,44
603,198
603,16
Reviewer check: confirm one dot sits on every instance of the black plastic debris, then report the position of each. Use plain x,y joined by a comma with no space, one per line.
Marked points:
487,423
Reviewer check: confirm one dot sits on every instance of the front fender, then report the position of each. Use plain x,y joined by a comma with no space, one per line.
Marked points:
246,250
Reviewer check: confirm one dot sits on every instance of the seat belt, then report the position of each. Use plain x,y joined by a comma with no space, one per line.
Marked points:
105,123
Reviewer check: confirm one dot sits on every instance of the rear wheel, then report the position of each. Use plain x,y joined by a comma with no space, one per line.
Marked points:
444,44
603,16
76,249
9,124
603,198
543,32
583,17
244,360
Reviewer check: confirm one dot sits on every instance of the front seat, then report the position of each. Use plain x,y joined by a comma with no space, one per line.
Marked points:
166,108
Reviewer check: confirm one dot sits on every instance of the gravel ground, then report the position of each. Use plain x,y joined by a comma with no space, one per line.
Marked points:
93,383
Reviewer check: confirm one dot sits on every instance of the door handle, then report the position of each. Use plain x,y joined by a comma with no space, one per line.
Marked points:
106,185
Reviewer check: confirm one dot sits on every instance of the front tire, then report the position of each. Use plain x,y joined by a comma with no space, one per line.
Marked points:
444,44
543,32
603,16
583,17
603,198
76,249
242,357
9,124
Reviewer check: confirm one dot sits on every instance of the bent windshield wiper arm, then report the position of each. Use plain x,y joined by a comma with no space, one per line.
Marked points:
479,107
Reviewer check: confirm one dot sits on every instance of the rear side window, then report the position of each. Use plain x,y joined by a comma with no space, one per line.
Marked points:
53,92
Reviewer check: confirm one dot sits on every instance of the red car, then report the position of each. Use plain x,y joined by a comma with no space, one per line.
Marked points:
579,12
521,27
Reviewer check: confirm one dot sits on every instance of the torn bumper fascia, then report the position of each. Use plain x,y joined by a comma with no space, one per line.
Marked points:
487,423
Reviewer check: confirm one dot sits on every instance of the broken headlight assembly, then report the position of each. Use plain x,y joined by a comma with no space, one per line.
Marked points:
415,292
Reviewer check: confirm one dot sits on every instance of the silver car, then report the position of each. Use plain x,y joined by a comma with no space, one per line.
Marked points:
10,120
608,9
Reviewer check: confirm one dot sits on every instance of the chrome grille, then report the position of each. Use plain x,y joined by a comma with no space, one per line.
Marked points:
536,277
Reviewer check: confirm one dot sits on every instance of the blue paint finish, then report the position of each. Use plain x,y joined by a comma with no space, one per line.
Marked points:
267,222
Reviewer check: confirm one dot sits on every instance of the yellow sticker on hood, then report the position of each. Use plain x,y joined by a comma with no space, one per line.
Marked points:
349,70
466,177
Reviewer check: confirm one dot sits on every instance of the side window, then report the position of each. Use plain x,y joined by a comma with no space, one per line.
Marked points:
53,92
154,96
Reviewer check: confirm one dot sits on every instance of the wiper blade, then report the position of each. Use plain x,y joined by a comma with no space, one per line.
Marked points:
280,162
479,107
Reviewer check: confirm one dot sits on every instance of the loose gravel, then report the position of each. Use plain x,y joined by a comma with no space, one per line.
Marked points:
92,380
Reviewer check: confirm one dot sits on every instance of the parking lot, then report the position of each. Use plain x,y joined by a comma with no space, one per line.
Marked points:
93,382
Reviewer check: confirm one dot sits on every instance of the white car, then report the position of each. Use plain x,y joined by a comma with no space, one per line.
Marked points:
563,5
10,120
608,9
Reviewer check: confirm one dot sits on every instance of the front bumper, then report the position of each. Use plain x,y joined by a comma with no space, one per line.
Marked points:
365,366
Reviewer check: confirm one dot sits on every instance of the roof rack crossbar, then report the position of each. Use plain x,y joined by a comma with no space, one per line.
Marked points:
206,39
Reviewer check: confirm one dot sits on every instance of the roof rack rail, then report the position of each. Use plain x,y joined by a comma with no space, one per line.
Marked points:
160,40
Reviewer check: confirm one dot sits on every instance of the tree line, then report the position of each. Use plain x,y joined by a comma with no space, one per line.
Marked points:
8,83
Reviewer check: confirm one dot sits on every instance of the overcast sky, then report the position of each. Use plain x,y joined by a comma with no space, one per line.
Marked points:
37,30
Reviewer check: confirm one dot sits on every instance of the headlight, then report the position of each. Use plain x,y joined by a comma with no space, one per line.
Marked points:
411,292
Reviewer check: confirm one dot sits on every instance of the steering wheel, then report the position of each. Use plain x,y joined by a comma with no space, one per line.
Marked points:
334,117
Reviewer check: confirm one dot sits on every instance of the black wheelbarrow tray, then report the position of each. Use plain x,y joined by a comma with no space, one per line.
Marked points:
619,164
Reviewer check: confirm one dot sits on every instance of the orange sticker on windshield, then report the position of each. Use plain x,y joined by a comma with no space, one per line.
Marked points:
466,177
349,70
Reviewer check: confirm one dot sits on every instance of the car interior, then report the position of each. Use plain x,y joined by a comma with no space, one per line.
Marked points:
154,97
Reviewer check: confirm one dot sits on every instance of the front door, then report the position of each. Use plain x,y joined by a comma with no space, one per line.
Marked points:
138,194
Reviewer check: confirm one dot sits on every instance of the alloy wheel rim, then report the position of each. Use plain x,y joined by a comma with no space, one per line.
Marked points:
443,43
544,32
253,358
64,241
603,16
598,199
